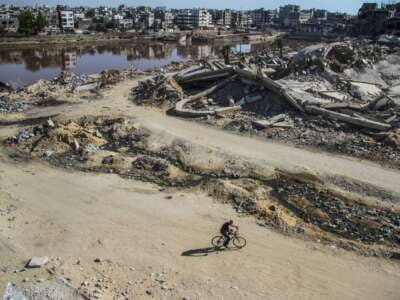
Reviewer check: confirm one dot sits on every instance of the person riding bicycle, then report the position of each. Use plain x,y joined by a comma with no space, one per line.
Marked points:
226,230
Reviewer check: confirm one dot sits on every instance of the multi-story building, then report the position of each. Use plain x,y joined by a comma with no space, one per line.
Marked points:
167,20
288,15
193,18
202,18
9,24
66,20
263,18
306,15
372,19
148,20
320,15
227,17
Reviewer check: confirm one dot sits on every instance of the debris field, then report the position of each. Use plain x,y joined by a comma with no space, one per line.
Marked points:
341,97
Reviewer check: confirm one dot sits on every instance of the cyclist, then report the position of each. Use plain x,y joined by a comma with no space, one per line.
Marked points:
226,231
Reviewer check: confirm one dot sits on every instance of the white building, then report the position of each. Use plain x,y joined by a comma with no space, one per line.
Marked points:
194,18
66,20
125,24
202,18
9,24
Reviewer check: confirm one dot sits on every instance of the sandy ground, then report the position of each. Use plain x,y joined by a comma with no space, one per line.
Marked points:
141,232
137,231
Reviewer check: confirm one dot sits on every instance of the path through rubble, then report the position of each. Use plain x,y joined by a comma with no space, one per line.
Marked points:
271,153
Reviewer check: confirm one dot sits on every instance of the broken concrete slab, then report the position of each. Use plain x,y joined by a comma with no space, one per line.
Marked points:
363,122
37,261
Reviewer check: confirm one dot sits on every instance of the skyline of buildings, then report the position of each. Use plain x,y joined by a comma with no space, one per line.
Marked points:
371,18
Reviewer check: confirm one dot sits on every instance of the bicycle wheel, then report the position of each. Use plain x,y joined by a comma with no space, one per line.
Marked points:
218,241
239,242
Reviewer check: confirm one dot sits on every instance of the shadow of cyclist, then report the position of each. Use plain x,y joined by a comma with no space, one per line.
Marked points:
204,251
200,252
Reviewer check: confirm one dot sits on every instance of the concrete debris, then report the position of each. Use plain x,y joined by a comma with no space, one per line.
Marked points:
52,289
60,138
335,213
37,262
332,94
160,90
50,123
13,293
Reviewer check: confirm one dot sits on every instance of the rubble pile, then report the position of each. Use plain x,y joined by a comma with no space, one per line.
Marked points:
338,214
305,206
110,77
110,145
9,106
159,91
71,79
56,138
342,97
176,66
336,57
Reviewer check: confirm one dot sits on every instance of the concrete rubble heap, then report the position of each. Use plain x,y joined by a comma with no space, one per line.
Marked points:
161,90
340,96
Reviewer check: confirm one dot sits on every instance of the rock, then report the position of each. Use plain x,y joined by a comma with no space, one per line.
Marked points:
48,153
50,123
75,144
98,260
98,134
38,261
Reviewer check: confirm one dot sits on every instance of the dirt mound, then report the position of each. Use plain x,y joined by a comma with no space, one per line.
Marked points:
60,138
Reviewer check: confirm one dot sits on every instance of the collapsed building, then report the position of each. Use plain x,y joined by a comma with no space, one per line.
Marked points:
342,97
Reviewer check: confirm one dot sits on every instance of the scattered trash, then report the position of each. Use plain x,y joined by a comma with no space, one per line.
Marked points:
9,106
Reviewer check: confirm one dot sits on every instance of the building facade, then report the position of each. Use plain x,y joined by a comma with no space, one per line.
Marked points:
66,20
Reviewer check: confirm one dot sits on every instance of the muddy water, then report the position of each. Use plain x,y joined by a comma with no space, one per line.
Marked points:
24,66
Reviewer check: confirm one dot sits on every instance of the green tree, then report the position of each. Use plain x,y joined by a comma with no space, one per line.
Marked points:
40,22
110,25
26,23
226,51
279,44
90,14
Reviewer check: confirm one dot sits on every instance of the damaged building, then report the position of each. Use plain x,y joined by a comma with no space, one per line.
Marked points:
375,20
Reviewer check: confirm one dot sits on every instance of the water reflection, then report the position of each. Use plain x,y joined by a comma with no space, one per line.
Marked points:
24,66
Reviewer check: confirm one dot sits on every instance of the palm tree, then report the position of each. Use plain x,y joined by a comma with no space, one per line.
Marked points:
279,45
226,51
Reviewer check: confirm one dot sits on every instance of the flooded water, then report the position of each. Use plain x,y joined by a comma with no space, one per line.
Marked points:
25,66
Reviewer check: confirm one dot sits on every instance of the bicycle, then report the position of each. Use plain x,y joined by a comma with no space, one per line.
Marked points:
238,241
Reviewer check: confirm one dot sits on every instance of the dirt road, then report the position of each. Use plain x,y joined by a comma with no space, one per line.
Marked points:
137,231
261,150
141,233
